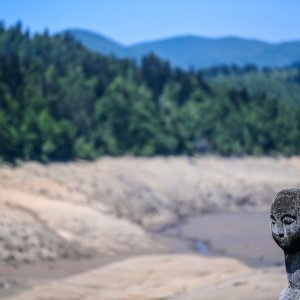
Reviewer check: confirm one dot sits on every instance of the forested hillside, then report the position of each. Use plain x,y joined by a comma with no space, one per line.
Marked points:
59,101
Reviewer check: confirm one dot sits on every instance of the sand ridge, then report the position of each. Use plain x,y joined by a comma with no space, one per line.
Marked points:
165,277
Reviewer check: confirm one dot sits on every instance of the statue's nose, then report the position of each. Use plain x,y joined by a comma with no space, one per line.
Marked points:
278,230
281,234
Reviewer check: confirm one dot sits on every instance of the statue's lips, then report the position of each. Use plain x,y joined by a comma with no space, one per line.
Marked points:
285,243
281,241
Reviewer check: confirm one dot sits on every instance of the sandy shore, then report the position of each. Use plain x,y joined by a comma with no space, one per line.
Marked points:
165,277
67,231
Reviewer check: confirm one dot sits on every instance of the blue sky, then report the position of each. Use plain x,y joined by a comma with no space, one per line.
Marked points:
131,21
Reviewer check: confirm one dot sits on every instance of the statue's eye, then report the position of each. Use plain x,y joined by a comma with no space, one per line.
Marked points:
288,220
273,222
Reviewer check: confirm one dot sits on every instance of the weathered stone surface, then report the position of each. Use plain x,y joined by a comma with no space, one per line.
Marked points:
285,224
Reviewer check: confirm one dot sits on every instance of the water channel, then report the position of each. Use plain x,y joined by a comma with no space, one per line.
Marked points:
243,235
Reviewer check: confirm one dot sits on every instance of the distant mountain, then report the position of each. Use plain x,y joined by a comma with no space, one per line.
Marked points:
198,52
98,42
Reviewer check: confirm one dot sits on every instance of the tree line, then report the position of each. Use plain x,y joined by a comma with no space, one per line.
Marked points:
59,102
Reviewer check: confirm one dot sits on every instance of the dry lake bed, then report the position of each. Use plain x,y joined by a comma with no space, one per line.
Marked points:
142,228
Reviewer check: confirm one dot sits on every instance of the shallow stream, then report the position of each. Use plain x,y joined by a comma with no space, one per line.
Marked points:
242,235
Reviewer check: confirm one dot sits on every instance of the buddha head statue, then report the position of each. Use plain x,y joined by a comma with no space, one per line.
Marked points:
285,220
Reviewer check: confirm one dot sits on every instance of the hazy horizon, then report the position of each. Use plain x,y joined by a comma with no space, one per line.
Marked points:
179,36
130,21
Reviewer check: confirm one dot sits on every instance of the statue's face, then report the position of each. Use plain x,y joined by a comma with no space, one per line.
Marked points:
285,224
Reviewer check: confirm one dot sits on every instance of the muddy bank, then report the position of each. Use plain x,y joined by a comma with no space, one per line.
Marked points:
164,277
16,279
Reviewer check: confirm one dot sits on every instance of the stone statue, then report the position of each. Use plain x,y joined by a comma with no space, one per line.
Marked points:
285,225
